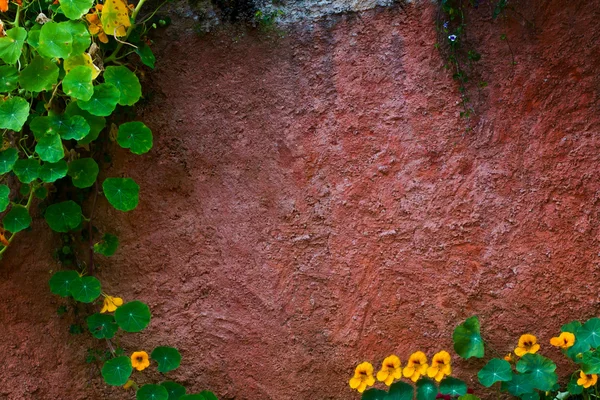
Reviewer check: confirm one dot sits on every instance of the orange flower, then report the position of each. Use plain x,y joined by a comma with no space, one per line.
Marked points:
95,26
111,304
440,366
587,380
564,341
3,5
527,344
363,377
140,360
509,357
416,366
390,370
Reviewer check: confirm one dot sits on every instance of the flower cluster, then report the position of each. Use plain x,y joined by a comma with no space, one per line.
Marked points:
391,370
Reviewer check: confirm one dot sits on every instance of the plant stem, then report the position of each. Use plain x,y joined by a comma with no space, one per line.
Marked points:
16,23
136,11
27,206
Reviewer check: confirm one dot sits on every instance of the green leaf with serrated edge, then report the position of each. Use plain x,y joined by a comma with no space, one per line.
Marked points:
74,9
133,316
519,385
540,369
13,113
121,193
83,172
26,169
369,394
426,389
146,55
4,197
590,362
453,386
103,101
116,372
8,158
168,358
16,219
107,246
81,37
85,289
400,391
63,217
9,76
135,136
590,332
467,339
496,370
102,326
60,282
41,74
152,392
11,45
78,83
175,390
55,40
50,148
573,387
50,172
96,123
127,83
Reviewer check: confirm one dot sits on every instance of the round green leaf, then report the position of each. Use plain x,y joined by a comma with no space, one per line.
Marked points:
50,148
107,246
102,326
400,391
78,83
539,369
63,217
531,396
55,40
83,172
103,101
33,36
50,172
41,74
116,372
152,392
13,113
369,394
518,385
8,158
590,332
11,45
61,281
572,386
41,192
168,358
74,9
208,395
4,197
590,362
128,84
135,136
9,76
146,56
426,389
85,289
133,316
73,127
27,169
175,390
495,370
122,193
453,386
467,339
16,219
96,123
80,34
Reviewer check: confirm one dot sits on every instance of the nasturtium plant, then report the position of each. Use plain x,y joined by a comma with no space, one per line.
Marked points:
41,74
85,289
453,386
27,169
135,136
175,390
540,370
126,82
83,172
122,193
152,392
590,332
60,283
16,219
11,45
467,339
75,9
133,316
103,100
9,76
426,389
108,245
50,172
4,197
8,158
519,385
116,372
13,113
78,83
55,40
64,216
102,326
495,370
50,148
168,358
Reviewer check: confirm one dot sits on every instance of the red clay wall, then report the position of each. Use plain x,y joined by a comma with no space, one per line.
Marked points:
314,202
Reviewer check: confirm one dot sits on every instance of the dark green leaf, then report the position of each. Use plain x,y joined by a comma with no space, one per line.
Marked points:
122,193
152,392
453,386
4,197
400,391
27,169
590,332
41,74
175,390
107,246
102,326
573,387
103,101
168,358
519,385
50,148
116,372
63,217
96,123
8,158
146,56
16,219
467,339
540,369
133,316
590,362
426,389
135,136
127,83
83,172
50,172
61,281
85,289
495,370
9,76
369,394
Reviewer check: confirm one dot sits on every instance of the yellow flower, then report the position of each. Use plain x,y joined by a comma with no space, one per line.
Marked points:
587,380
363,377
527,344
440,366
140,360
564,341
111,304
390,370
509,357
416,366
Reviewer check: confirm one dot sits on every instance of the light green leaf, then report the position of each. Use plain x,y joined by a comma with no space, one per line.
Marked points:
55,40
85,289
135,136
16,219
168,358
61,281
27,169
453,386
8,158
83,172
127,83
107,246
116,372
102,326
467,339
152,392
133,316
121,193
33,36
175,390
103,101
496,370
50,148
78,83
13,113
539,369
9,76
63,217
426,389
79,32
41,74
50,172
74,9
4,197
146,56
11,45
